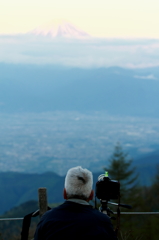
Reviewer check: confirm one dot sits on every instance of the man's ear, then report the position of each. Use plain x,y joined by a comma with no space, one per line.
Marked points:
64,193
91,195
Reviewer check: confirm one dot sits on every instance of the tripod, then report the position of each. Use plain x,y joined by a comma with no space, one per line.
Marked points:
106,210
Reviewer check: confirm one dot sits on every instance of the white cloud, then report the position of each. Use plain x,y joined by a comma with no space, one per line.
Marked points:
94,52
150,76
146,150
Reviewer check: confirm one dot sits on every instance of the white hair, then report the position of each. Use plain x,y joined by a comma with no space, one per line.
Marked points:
78,183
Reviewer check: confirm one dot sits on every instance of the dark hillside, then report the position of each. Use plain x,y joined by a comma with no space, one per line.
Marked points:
12,229
115,90
146,167
17,188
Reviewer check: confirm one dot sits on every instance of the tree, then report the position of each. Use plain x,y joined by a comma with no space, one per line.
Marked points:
120,169
155,191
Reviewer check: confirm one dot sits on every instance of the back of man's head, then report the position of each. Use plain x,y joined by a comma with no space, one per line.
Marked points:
78,183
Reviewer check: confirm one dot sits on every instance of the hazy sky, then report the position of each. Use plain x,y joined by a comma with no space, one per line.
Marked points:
124,18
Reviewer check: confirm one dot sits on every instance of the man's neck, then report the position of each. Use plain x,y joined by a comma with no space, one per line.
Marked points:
80,201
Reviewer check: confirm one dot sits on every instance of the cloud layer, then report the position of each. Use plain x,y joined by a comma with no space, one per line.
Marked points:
92,52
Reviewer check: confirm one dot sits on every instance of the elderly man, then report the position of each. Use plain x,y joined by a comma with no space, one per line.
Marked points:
75,218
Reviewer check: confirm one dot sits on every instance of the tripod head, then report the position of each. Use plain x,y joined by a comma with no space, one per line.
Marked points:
105,209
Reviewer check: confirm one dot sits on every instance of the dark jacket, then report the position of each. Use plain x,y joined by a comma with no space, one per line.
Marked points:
74,221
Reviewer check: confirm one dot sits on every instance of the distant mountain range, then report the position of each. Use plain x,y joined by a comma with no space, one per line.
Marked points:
118,91
17,188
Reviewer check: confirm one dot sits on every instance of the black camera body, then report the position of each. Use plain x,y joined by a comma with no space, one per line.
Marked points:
106,188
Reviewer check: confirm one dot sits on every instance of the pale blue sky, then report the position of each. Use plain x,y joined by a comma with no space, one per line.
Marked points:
124,18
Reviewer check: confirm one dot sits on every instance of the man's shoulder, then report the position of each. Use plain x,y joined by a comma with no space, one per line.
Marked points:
87,209
100,215
69,207
56,209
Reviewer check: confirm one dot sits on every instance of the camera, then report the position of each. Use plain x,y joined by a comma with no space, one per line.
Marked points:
106,188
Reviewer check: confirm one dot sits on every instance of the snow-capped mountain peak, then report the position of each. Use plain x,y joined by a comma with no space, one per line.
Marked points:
60,29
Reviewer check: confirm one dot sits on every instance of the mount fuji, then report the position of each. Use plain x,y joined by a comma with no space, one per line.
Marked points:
61,29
